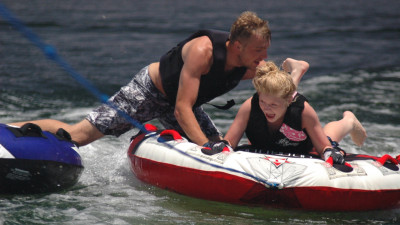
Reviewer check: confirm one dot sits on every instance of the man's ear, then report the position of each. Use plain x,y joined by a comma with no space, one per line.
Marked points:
237,46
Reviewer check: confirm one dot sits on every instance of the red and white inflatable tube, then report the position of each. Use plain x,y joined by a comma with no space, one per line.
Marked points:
288,181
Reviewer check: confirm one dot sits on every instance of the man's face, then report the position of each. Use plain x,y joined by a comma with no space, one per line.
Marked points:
253,51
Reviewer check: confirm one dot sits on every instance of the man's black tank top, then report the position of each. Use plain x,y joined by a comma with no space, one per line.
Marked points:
213,84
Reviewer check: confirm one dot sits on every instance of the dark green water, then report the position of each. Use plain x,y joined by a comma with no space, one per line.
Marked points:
352,46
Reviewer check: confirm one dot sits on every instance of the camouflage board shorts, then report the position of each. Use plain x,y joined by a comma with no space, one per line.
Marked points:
143,102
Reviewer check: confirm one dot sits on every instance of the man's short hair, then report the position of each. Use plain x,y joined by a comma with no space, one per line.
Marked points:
247,24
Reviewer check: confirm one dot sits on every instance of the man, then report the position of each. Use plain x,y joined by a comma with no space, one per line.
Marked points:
200,68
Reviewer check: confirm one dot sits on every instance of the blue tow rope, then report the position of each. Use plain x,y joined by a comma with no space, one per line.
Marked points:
52,54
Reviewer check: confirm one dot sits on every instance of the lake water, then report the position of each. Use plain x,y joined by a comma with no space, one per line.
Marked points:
352,47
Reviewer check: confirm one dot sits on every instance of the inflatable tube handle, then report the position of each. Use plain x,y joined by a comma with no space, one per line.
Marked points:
172,133
27,130
330,161
150,127
389,158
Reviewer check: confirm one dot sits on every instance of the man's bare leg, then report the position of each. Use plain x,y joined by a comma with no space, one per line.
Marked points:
82,133
46,124
296,68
